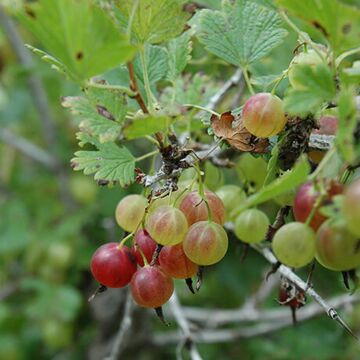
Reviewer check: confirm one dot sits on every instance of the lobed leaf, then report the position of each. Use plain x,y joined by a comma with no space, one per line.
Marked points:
79,35
241,33
337,22
101,114
109,162
156,60
152,21
179,54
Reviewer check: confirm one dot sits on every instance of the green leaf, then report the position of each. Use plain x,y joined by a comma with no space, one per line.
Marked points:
156,59
266,81
273,166
179,54
242,33
79,35
287,182
152,21
351,75
347,112
314,85
110,162
143,126
337,22
101,116
112,100
55,63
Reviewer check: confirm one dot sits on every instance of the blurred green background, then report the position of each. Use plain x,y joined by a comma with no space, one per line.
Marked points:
52,220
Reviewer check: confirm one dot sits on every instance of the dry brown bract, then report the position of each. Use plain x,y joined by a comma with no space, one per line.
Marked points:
237,135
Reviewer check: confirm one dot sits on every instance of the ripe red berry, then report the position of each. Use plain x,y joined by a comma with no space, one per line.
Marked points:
195,208
306,198
151,287
113,266
263,115
147,245
175,263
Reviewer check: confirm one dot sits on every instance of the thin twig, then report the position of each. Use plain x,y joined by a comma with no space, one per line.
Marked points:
247,312
28,148
183,323
263,328
124,328
40,99
220,94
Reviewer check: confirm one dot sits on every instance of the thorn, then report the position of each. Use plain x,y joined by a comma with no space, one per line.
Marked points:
310,275
244,253
189,284
332,313
293,315
199,278
273,270
345,275
100,289
160,315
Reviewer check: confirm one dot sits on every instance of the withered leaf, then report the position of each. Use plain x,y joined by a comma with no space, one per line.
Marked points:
234,132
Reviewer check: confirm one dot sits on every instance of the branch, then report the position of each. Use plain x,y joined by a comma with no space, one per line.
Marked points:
182,321
293,278
28,148
321,142
41,103
229,335
248,312
36,87
125,326
216,98
134,87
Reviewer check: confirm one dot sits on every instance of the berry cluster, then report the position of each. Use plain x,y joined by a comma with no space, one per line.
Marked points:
174,235
169,242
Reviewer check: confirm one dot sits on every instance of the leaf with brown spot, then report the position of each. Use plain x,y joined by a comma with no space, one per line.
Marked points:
235,133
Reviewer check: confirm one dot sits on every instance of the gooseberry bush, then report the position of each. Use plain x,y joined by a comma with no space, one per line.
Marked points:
240,153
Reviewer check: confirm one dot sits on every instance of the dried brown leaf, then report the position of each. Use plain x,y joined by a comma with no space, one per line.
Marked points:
234,132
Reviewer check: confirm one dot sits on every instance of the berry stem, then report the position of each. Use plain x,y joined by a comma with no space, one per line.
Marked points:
142,254
281,78
202,108
150,154
125,239
202,191
187,188
247,81
316,206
